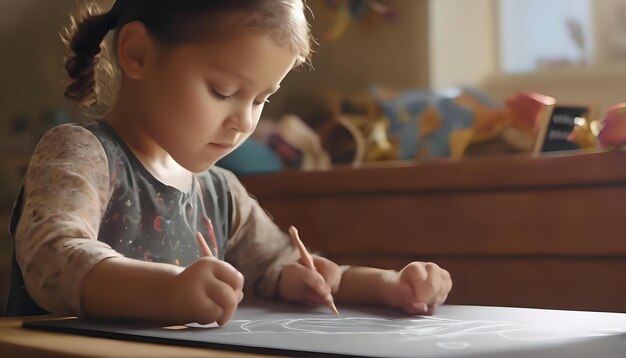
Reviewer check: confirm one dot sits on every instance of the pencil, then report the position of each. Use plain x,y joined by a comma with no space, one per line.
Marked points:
209,226
308,261
204,248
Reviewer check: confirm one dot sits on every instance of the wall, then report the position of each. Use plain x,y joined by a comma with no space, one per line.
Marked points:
600,88
462,38
394,53
30,56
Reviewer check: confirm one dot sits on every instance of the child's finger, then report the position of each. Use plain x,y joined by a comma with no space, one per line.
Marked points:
448,280
209,311
441,300
415,308
204,248
225,297
446,286
421,307
416,276
311,299
225,272
317,284
313,281
331,276
438,284
319,279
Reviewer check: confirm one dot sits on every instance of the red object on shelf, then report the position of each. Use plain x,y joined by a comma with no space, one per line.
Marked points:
527,109
613,127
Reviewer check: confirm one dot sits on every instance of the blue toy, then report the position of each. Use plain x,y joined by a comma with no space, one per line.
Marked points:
251,158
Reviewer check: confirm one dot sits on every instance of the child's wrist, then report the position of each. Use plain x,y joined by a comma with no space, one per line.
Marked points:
343,269
388,288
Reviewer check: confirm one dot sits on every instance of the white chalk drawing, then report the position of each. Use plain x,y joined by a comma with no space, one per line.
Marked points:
453,345
450,334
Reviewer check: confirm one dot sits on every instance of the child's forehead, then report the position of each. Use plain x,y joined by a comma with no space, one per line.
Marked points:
251,58
229,33
243,50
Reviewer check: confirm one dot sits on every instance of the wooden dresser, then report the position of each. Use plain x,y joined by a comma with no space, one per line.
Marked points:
545,232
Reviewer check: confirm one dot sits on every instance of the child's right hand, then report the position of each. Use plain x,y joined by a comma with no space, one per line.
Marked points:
299,283
208,291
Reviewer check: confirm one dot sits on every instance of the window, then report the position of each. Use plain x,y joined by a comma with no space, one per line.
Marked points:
545,34
506,46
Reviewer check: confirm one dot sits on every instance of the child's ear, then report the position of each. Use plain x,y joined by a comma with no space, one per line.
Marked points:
133,46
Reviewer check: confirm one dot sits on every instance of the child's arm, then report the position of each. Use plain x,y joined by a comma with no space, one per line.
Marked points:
207,291
67,270
257,247
419,288
66,188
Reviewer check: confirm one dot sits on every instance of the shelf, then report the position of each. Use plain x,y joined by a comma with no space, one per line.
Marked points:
488,173
492,222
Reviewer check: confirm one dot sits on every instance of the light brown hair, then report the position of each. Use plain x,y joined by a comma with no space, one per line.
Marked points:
90,64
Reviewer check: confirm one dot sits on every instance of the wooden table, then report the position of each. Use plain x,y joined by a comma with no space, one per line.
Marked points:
546,232
16,341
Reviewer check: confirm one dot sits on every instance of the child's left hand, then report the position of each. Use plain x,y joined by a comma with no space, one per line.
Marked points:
311,287
419,288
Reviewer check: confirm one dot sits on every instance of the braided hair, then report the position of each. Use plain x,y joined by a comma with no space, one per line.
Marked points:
170,22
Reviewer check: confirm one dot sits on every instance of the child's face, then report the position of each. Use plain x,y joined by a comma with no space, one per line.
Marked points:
204,100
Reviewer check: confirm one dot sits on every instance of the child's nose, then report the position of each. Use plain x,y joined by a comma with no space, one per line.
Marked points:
241,120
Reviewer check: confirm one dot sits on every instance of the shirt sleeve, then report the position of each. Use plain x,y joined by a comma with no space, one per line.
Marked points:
66,191
257,247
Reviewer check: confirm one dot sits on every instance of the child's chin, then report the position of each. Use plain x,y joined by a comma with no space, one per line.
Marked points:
200,167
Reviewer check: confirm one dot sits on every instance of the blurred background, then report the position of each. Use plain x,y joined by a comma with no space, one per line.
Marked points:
372,58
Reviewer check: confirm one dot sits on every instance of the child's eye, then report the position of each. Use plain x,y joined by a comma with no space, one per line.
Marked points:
220,96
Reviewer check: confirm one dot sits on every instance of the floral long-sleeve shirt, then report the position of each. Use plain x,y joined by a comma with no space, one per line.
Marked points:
86,197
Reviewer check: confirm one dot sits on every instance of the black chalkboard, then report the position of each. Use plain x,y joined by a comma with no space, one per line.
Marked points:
359,331
560,124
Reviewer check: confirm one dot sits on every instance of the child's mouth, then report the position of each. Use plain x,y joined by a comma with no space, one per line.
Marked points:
221,146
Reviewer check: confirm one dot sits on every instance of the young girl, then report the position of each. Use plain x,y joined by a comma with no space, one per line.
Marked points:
106,221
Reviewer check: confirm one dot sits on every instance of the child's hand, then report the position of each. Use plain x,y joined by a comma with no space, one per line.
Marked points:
208,291
301,284
419,288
